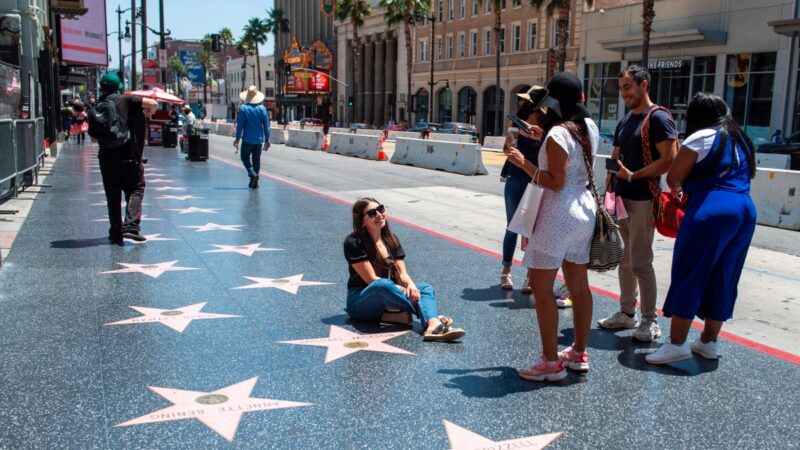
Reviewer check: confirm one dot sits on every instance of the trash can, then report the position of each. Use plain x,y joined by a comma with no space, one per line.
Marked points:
198,145
169,133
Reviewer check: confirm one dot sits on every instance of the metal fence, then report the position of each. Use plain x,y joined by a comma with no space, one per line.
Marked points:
39,140
22,150
8,153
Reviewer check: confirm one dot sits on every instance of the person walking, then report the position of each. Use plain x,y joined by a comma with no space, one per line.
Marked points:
564,226
189,120
117,122
714,167
636,273
252,128
79,124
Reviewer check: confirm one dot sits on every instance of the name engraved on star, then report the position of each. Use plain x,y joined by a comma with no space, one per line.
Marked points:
249,407
178,415
148,267
512,445
172,313
211,399
356,344
281,281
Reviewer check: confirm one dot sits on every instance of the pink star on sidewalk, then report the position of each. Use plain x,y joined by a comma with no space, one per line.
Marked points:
464,439
341,342
286,284
151,270
246,250
219,410
177,319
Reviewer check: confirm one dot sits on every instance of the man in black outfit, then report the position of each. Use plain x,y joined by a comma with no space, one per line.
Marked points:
122,167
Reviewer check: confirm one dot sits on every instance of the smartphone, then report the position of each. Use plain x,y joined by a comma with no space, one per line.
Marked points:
524,126
612,166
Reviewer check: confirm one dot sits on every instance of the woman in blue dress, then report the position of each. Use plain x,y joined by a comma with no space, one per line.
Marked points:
714,167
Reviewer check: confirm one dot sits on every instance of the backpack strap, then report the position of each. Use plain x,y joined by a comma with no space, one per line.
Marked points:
655,189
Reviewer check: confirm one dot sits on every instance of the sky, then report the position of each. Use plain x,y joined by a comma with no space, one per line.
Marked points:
188,19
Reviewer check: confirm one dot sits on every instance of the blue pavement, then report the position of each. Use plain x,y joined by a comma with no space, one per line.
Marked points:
211,359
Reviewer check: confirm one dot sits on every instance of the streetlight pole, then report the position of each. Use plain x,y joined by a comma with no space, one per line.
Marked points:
133,46
162,45
119,36
432,18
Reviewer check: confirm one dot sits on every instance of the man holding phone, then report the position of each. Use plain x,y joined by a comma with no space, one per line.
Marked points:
636,270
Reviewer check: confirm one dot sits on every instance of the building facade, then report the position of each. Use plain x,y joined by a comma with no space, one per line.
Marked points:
461,48
737,49
241,74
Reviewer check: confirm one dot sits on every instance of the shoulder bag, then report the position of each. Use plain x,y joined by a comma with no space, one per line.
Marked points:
605,252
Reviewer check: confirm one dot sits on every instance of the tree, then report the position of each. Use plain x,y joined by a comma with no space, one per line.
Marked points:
355,11
208,61
276,23
402,11
497,7
256,33
176,66
561,10
648,15
225,37
245,49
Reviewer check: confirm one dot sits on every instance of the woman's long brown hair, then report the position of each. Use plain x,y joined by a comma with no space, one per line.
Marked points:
388,238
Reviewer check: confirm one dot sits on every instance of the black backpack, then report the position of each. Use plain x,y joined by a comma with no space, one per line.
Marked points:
107,125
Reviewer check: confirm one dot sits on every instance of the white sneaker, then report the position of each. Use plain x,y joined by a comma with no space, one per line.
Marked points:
669,353
526,287
617,321
561,291
647,331
564,302
505,281
707,350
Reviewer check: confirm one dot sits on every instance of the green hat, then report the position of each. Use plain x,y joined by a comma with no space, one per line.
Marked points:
111,82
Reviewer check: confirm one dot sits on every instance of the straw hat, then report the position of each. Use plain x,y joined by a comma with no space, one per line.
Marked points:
252,95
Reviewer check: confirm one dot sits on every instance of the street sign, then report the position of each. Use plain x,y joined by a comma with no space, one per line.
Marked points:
162,58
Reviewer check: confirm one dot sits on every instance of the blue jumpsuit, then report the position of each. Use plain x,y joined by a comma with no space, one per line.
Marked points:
714,236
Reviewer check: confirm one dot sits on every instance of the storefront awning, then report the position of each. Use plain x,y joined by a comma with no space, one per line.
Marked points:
786,27
672,39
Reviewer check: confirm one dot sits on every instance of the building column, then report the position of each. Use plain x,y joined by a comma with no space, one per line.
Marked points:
379,102
390,81
369,84
350,92
360,98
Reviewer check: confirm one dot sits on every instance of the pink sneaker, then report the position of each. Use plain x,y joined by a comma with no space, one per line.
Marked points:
543,370
571,359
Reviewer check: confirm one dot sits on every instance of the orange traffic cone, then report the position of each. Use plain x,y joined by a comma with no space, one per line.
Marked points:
325,143
381,153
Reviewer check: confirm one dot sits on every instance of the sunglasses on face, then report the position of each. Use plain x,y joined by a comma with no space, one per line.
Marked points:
374,211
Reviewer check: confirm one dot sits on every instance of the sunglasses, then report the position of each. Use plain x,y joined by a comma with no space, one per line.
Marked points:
374,211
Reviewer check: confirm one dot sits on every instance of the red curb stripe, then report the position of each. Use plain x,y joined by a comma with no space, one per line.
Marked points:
774,352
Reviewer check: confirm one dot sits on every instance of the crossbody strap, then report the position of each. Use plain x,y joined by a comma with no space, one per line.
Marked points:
647,155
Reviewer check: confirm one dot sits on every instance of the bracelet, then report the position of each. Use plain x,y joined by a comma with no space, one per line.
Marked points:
630,177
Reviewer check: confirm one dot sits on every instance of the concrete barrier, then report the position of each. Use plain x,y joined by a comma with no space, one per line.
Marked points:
773,161
446,137
226,129
277,135
369,132
453,157
360,146
338,130
493,143
308,139
393,135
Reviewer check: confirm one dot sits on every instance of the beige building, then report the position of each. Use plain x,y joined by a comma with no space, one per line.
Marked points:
239,77
462,48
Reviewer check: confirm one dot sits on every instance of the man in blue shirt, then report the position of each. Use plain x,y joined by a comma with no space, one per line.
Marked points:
252,127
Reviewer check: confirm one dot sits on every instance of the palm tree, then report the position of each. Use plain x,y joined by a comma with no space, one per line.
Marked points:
244,48
648,15
208,61
497,7
402,11
355,11
176,67
562,9
276,23
256,33
225,37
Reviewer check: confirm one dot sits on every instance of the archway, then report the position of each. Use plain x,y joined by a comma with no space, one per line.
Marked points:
490,111
467,101
421,104
445,101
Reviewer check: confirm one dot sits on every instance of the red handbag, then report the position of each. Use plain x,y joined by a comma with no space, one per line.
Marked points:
668,210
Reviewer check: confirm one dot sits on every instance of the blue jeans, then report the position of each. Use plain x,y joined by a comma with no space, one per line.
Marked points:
369,303
515,187
251,151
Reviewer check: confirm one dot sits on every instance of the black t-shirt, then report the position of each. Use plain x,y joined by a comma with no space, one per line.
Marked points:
628,137
530,149
355,251
130,108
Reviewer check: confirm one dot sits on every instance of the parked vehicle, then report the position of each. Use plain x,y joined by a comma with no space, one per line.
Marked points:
790,146
459,128
391,126
425,128
311,122
360,126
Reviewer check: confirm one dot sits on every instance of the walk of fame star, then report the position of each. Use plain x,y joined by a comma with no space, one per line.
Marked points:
177,319
182,198
287,284
168,188
341,342
144,218
150,238
246,250
193,210
219,410
213,227
464,439
151,270
160,180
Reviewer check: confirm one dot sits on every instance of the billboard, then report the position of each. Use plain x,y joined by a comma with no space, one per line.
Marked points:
83,41
194,71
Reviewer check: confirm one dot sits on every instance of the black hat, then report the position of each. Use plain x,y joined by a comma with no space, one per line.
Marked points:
564,97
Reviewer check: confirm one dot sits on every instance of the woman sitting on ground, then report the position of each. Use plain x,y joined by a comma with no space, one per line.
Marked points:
378,276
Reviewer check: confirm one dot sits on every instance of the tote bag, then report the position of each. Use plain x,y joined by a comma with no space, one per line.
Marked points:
525,216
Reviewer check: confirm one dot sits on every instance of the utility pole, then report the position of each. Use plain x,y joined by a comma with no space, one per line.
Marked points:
162,44
432,18
143,21
119,38
133,45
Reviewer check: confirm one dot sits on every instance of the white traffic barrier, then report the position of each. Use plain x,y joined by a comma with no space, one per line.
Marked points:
277,135
453,157
360,146
493,143
226,129
393,135
773,161
308,139
369,132
338,130
447,137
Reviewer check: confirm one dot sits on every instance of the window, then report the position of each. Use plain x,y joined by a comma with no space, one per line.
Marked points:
463,9
449,47
517,3
461,45
487,42
269,92
602,95
423,51
439,49
749,83
554,34
488,6
474,39
268,75
450,10
704,69
532,36
474,7
502,40
515,43
441,10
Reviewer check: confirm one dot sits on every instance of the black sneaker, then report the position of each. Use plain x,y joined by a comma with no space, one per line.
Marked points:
252,183
255,182
135,236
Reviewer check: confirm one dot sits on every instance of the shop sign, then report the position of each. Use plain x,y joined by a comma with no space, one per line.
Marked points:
327,7
666,64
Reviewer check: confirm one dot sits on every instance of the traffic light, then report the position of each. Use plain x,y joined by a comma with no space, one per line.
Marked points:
350,102
288,70
215,44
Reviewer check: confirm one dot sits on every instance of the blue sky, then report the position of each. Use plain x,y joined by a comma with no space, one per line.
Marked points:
189,19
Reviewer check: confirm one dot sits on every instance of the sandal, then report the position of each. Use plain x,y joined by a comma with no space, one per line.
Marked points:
505,281
443,332
526,287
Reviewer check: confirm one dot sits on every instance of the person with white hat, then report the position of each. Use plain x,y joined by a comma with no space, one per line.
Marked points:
252,127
